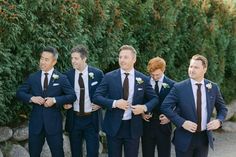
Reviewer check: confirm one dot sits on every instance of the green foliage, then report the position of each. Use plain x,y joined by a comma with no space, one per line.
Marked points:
172,29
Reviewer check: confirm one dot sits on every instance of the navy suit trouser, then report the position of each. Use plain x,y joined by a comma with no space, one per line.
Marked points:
198,147
123,139
83,129
157,136
55,143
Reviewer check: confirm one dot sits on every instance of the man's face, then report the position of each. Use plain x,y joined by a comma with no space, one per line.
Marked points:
126,60
157,74
196,70
77,62
47,61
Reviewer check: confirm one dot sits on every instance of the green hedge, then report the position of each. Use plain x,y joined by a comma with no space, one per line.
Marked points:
173,29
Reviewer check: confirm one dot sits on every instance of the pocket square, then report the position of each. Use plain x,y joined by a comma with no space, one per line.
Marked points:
94,83
140,89
55,84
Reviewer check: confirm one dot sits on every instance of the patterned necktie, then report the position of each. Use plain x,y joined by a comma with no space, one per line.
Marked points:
82,93
45,82
126,87
199,107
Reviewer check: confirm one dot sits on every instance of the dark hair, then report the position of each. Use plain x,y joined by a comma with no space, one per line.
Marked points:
81,49
51,50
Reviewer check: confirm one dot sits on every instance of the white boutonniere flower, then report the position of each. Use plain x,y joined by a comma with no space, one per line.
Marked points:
91,75
165,85
55,76
139,80
209,86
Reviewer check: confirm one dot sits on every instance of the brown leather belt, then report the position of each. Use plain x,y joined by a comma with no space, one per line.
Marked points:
80,114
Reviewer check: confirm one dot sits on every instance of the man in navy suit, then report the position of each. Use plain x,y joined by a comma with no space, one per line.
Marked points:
195,99
122,92
157,127
47,91
83,117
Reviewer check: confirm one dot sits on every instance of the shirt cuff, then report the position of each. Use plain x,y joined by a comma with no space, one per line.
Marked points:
114,104
144,108
54,100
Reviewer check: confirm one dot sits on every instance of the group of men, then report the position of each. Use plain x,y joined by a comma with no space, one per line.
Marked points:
137,106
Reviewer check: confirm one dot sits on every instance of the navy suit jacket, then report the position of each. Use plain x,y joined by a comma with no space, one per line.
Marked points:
41,117
181,96
93,83
148,129
110,89
163,93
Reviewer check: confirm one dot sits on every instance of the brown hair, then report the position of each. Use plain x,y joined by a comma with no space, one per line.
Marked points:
201,58
128,47
156,63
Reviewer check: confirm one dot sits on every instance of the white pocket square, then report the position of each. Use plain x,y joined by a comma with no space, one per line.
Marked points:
55,84
94,83
140,89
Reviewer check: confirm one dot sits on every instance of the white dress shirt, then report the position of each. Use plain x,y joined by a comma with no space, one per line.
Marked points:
87,101
204,101
128,113
49,76
160,81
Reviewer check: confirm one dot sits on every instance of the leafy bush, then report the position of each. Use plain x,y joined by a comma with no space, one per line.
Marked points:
173,29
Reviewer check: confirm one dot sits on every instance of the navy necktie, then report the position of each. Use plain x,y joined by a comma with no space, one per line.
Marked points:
156,87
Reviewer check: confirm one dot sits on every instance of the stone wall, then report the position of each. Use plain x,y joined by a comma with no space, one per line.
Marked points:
14,141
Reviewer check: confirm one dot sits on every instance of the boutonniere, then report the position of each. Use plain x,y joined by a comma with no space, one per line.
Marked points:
91,75
165,85
55,76
209,86
139,80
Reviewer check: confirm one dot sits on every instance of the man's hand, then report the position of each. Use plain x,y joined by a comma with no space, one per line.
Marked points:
146,117
67,106
95,107
48,102
214,124
122,104
138,109
163,119
190,126
37,100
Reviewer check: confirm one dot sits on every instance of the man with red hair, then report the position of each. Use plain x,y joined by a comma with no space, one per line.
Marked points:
157,127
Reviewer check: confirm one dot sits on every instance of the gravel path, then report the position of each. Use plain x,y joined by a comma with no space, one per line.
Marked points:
225,146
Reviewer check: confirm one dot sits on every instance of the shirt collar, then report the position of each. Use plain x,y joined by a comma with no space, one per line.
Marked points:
194,82
49,72
84,71
160,80
130,73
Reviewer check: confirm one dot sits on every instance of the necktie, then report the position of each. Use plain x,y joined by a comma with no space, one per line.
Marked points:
45,82
82,93
199,107
157,87
126,87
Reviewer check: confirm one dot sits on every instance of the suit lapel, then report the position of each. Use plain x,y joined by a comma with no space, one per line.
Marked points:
136,75
52,79
207,100
118,84
89,80
39,75
190,97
